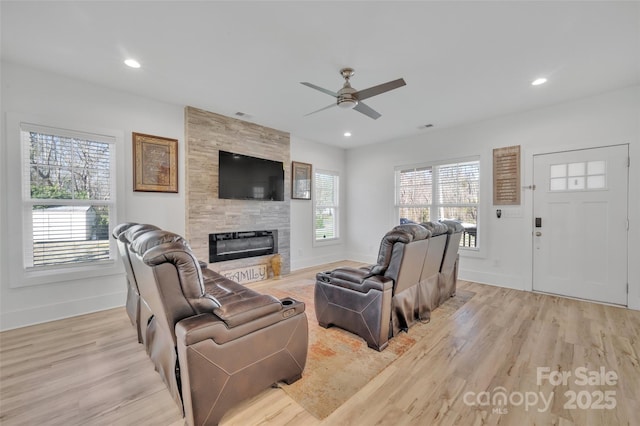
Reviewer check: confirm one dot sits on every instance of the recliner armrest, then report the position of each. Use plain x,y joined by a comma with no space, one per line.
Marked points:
209,327
351,274
245,310
359,280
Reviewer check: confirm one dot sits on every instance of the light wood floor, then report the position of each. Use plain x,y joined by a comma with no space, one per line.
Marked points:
90,370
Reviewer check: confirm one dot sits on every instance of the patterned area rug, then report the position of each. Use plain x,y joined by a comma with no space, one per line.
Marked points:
339,363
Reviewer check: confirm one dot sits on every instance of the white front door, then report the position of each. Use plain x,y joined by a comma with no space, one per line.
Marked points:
580,223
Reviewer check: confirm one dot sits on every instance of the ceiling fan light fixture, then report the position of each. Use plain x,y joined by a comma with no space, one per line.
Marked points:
347,103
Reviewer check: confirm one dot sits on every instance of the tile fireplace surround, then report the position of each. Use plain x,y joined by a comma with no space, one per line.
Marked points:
207,133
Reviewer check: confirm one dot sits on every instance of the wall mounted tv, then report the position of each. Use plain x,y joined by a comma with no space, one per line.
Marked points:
242,177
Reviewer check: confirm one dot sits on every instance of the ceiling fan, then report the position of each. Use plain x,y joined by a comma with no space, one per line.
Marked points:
350,98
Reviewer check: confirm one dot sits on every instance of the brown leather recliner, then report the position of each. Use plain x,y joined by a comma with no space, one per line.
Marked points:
378,301
133,296
213,352
123,238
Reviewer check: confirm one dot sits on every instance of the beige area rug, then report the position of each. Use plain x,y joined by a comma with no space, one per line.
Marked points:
339,363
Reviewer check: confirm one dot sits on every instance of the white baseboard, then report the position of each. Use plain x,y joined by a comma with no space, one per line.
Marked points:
40,314
498,280
308,262
367,258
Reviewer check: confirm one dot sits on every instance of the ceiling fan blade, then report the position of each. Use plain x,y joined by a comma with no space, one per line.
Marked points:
361,95
367,110
321,109
313,86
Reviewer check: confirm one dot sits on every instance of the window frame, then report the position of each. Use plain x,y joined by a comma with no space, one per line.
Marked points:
20,235
435,204
335,206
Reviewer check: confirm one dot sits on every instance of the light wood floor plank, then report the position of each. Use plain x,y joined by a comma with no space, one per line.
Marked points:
90,370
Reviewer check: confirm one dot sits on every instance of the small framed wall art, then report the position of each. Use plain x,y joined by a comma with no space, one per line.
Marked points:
300,181
155,163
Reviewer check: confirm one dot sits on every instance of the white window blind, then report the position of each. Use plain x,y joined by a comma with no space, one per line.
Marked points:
458,189
68,196
326,206
441,191
414,191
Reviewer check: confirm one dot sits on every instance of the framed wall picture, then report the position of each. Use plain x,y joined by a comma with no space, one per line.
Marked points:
300,181
155,163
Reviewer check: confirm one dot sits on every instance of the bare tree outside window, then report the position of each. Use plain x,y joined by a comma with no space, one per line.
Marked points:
69,195
439,192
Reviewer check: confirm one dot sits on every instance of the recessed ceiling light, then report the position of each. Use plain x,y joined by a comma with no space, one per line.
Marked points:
347,134
538,81
132,63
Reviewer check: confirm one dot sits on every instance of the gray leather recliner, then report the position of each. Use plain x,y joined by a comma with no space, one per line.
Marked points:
430,277
400,290
362,300
449,267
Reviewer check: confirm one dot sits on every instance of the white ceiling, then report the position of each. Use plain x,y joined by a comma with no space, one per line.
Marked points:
462,61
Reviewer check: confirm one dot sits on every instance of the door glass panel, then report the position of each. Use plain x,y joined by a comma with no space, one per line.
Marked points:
558,170
576,169
595,167
576,182
558,184
595,182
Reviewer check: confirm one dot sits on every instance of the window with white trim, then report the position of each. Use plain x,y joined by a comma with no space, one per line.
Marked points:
68,197
326,208
433,192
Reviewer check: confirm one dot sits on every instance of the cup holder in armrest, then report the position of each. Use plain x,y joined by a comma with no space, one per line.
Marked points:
291,306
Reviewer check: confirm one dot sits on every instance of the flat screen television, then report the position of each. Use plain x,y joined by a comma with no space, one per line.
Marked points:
242,177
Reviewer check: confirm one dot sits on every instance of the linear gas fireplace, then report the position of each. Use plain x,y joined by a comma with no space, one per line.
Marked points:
238,245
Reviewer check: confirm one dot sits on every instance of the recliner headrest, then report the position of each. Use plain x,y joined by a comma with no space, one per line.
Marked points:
436,228
167,247
453,226
386,249
418,232
120,229
400,234
135,231
142,243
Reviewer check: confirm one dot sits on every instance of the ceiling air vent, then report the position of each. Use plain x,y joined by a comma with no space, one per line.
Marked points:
243,115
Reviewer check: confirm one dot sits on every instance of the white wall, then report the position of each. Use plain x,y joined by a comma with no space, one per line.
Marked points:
53,98
505,255
31,93
366,183
303,251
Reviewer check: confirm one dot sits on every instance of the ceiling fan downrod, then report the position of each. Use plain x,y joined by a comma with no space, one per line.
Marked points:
346,99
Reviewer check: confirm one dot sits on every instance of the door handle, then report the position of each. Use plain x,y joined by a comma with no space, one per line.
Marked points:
538,234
